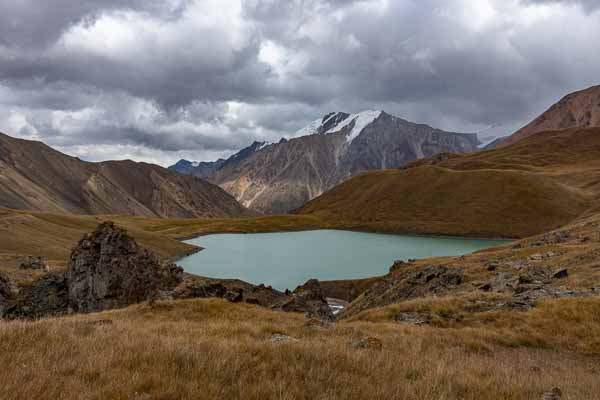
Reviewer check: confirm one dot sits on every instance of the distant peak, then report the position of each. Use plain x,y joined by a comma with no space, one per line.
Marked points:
360,120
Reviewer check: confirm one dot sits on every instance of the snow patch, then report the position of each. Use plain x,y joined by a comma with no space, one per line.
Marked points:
309,129
195,164
361,120
263,145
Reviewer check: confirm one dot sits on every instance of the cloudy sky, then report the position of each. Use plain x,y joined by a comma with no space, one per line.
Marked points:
159,80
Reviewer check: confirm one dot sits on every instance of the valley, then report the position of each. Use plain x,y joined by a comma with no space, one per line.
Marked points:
521,314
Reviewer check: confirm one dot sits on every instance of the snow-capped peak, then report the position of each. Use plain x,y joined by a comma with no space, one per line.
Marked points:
361,120
195,164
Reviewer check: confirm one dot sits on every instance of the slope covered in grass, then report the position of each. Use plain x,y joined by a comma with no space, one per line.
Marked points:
535,185
207,349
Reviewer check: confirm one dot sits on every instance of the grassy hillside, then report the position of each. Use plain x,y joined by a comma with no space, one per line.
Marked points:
206,349
535,185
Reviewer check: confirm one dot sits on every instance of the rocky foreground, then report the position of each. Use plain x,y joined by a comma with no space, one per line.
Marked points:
108,269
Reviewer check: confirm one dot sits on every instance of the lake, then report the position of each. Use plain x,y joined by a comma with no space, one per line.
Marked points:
288,259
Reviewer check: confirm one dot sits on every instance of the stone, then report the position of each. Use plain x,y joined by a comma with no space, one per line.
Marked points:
561,273
308,299
5,294
45,296
107,269
279,338
398,264
536,257
234,295
553,394
369,343
413,318
34,263
492,266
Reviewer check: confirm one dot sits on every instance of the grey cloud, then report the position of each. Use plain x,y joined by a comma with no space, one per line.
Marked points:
588,5
33,23
208,88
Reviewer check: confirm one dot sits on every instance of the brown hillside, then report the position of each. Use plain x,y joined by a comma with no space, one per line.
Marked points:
538,184
36,177
576,110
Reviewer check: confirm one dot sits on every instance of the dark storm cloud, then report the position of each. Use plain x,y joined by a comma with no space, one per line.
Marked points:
34,23
197,78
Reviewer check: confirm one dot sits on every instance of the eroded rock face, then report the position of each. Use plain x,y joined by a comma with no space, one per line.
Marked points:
46,296
108,269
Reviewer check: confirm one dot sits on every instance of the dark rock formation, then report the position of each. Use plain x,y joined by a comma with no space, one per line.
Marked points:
46,296
308,299
5,294
108,269
35,263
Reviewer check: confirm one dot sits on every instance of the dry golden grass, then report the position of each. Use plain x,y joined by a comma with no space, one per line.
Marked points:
53,236
209,349
572,324
206,349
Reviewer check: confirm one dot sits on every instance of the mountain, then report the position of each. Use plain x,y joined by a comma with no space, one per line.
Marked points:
576,110
201,169
206,169
539,183
279,177
36,177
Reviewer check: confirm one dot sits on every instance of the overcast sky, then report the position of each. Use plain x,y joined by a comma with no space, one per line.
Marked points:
159,80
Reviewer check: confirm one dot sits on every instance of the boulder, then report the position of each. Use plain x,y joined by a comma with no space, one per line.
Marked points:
107,269
5,294
561,273
308,299
35,263
45,296
234,296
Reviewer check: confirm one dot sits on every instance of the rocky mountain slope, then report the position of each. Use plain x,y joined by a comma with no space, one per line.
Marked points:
36,177
539,183
578,109
279,177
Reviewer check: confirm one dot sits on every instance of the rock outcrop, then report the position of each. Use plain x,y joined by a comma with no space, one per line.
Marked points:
5,294
108,269
308,299
45,296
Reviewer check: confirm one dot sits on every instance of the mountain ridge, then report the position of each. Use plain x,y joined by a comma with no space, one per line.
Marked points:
34,176
279,177
579,109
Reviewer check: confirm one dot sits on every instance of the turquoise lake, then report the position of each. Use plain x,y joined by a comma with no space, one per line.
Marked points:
288,259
